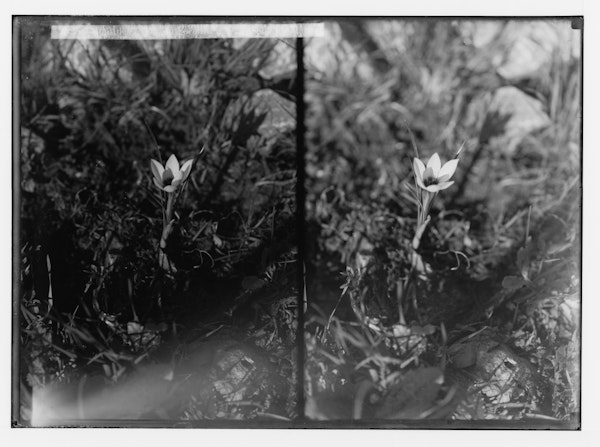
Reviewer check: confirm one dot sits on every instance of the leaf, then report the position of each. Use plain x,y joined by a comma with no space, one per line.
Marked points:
401,330
513,282
217,241
524,258
134,327
28,185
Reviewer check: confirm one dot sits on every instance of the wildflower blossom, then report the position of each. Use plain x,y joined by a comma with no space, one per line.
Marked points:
434,177
430,180
169,177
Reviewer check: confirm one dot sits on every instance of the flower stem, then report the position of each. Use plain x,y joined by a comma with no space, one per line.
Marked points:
168,216
407,290
163,260
416,242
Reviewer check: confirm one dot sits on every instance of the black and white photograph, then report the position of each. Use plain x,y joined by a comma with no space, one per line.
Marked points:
443,223
305,222
158,273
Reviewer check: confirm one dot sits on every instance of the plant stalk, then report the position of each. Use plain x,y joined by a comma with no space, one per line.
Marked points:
163,261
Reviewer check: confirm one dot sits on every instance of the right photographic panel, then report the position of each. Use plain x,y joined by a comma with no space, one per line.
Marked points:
443,223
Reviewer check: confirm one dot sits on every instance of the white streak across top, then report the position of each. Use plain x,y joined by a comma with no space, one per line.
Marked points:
158,31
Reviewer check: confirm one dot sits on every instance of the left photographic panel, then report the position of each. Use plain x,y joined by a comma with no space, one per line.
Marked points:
156,245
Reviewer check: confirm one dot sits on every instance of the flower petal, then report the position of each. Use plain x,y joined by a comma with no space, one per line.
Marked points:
172,164
177,176
429,174
418,168
433,188
169,188
175,183
445,185
158,184
448,169
167,177
420,183
186,168
157,169
434,163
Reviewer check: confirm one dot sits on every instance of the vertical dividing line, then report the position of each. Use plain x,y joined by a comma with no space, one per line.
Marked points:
301,223
16,214
581,303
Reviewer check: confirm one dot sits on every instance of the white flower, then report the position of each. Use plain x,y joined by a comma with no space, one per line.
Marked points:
434,177
169,177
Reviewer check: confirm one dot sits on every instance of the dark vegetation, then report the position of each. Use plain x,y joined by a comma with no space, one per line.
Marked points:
491,329
94,302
